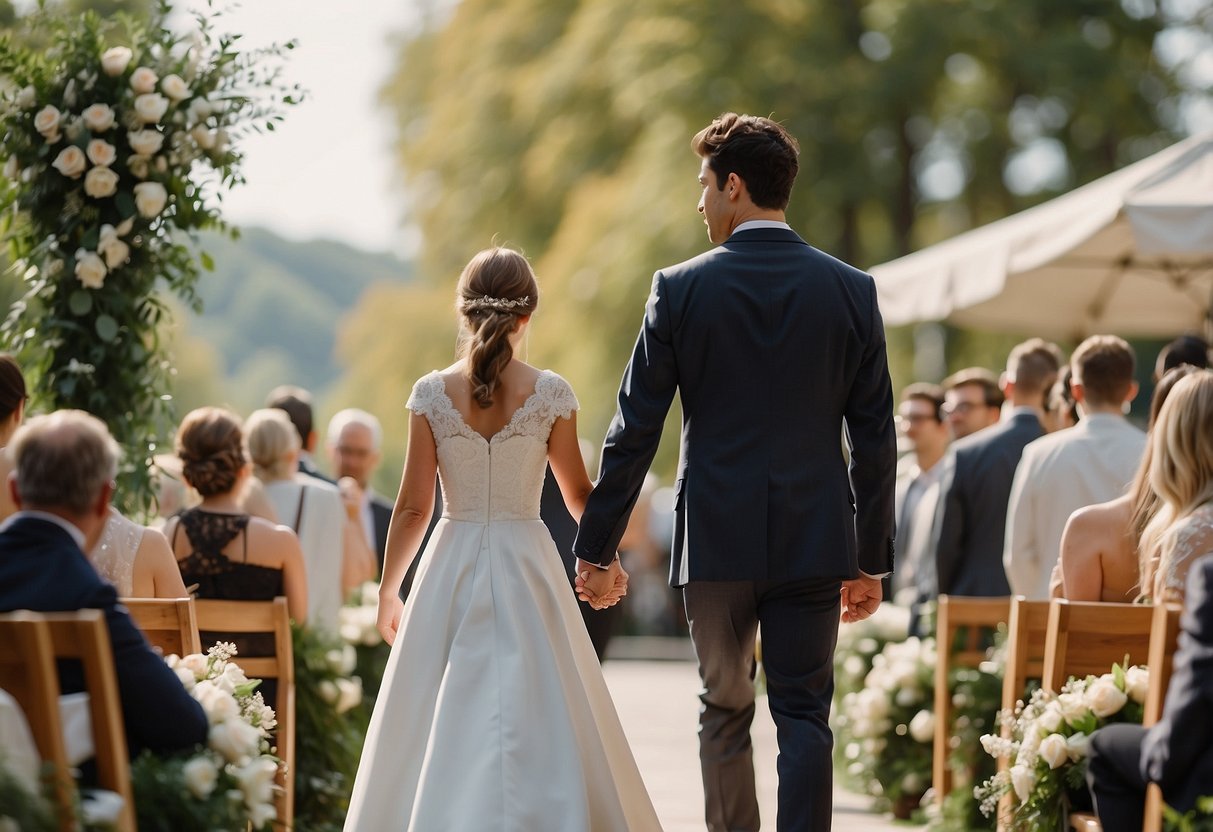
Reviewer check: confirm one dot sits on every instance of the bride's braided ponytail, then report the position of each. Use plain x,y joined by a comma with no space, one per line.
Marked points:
496,289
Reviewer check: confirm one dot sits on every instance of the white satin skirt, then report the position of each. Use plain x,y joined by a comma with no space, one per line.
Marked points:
494,714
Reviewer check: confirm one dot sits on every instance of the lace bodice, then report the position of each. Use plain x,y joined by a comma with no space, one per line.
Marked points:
114,555
499,478
1186,542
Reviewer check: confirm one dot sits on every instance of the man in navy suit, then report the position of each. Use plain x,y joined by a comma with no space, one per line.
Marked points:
777,352
65,463
1177,753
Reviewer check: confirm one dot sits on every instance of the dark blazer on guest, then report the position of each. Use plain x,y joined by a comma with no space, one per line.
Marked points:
381,518
1177,753
42,569
772,346
972,520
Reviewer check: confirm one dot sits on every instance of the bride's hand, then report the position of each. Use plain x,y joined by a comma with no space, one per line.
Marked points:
387,621
601,588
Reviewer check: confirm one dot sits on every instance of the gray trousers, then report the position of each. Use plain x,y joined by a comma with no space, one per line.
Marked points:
799,623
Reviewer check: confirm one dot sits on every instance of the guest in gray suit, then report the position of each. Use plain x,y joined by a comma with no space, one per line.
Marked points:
773,347
978,475
972,401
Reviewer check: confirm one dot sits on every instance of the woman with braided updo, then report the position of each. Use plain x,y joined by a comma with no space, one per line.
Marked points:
219,547
493,712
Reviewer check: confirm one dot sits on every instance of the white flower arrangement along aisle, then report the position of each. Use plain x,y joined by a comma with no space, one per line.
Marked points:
119,138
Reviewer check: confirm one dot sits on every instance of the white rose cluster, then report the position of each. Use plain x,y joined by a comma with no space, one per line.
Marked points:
239,724
356,624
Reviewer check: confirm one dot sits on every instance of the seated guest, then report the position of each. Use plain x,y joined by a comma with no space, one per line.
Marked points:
227,553
1181,474
12,410
65,464
1177,752
1061,411
297,404
1186,349
335,555
1090,463
972,401
136,560
978,475
1101,545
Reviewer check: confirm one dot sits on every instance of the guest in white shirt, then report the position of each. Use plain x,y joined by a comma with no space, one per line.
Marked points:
921,421
1092,462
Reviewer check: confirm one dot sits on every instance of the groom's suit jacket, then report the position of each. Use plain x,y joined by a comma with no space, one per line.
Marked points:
771,345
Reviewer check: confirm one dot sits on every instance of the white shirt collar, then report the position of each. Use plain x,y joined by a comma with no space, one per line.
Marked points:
753,225
68,527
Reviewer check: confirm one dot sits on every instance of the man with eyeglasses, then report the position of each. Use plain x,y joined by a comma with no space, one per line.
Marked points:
920,421
972,401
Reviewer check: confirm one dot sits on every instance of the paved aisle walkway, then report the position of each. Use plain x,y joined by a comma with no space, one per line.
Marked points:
658,705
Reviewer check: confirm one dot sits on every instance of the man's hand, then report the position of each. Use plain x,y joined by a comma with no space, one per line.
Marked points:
860,598
601,588
351,496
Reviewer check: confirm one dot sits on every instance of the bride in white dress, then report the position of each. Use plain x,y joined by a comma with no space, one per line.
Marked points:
493,712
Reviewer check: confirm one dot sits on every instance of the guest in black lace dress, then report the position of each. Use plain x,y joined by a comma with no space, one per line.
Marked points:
227,553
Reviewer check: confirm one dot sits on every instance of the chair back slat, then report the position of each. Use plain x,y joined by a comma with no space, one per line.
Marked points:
954,615
273,618
84,635
27,673
170,624
1087,637
1026,634
1164,639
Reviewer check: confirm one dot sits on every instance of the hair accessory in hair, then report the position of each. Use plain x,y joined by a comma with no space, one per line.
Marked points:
498,304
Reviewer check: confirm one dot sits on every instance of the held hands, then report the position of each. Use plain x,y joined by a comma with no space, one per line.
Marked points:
860,598
601,588
387,621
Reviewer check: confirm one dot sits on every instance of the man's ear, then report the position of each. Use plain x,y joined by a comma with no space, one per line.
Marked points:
102,506
734,186
12,489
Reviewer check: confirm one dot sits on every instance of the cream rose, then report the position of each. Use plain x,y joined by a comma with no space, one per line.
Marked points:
201,775
47,120
143,80
1073,707
138,166
115,61
145,142
219,704
116,253
70,162
256,780
261,814
1051,719
101,153
187,679
1104,698
343,660
231,678
922,726
100,183
175,88
27,98
1137,683
98,117
203,137
90,269
349,694
199,109
328,691
1053,750
150,198
1023,780
234,739
196,664
151,107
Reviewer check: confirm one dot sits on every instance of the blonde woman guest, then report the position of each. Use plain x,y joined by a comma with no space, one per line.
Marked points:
1181,473
1100,546
228,553
136,560
335,553
12,410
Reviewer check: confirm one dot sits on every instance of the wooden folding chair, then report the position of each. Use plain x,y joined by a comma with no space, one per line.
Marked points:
27,673
1164,638
1026,635
269,617
1086,638
170,624
83,635
976,617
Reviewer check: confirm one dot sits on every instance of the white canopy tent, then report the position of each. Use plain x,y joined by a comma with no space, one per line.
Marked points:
1131,254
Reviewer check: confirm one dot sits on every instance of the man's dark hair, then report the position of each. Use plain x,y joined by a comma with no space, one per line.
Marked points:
1033,365
297,403
983,378
1103,365
932,394
1186,349
760,151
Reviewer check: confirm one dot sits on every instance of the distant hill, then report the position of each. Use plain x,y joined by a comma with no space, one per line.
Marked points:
273,306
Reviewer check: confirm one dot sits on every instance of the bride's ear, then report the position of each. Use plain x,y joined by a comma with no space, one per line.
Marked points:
523,320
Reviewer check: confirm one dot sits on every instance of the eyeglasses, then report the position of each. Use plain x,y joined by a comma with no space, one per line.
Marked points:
961,408
903,422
